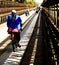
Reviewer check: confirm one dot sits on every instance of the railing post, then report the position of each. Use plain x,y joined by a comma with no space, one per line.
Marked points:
54,16
57,17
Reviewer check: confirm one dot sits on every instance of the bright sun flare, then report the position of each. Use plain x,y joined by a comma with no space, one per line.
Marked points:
39,1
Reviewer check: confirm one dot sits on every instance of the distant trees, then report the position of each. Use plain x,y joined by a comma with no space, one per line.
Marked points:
32,2
17,1
21,1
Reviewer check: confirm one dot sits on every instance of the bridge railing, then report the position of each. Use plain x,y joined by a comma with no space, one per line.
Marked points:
3,17
13,4
7,6
52,37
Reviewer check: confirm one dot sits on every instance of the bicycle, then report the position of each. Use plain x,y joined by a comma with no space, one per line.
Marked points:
15,37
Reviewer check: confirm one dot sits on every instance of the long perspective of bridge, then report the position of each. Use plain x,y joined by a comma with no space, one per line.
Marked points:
39,38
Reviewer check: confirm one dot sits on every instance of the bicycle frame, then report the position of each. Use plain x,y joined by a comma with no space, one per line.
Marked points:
12,37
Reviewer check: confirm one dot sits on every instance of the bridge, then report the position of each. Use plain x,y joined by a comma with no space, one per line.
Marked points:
39,38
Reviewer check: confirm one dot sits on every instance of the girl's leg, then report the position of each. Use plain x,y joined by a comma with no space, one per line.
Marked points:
13,41
18,39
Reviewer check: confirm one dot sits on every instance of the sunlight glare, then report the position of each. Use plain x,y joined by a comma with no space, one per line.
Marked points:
39,1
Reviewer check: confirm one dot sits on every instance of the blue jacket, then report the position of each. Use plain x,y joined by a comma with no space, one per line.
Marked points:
17,23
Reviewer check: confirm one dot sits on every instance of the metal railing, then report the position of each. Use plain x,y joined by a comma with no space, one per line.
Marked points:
52,35
13,4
